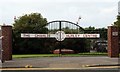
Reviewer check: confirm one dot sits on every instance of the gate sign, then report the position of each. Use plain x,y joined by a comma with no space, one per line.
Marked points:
27,35
59,35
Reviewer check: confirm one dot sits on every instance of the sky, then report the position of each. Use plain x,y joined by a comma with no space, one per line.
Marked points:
97,13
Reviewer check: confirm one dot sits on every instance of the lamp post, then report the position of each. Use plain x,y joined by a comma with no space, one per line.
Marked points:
78,23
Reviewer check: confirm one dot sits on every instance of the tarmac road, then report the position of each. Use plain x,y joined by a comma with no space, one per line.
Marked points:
58,64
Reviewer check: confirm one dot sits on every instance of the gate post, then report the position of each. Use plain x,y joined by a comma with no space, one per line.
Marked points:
113,41
6,42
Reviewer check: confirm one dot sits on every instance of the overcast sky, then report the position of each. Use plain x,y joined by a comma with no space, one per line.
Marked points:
98,13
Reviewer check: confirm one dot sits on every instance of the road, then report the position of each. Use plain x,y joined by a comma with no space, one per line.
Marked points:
53,64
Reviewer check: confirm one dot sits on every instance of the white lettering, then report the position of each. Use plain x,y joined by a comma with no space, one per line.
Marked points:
25,35
40,35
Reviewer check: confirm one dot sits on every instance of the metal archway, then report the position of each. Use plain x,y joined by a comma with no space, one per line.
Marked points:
59,33
60,25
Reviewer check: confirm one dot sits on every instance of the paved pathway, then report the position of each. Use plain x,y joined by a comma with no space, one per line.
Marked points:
60,62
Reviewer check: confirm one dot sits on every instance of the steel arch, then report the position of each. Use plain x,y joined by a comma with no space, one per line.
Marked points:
66,22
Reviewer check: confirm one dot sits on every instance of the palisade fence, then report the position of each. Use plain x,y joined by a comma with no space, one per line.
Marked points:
100,44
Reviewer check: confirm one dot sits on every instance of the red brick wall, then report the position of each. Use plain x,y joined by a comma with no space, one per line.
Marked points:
113,42
7,42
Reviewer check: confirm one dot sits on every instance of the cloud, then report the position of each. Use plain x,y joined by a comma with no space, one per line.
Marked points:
57,1
108,10
93,12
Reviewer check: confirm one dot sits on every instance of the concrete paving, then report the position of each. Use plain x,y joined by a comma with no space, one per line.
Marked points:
60,62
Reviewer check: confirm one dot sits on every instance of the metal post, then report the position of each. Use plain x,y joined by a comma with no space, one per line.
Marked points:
60,52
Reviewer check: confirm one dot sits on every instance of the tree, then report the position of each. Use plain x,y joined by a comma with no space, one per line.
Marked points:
102,32
93,30
117,23
29,23
90,28
33,22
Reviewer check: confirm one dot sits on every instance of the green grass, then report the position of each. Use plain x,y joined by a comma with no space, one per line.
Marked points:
94,54
86,54
34,55
57,55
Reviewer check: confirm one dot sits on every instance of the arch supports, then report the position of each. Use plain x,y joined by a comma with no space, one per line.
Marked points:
6,43
113,41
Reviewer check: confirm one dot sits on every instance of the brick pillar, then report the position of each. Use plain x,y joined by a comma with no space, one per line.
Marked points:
7,42
113,41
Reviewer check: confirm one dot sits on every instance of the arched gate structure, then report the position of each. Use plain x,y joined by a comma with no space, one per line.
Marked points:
61,29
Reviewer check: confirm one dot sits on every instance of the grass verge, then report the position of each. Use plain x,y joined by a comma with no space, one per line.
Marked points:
57,55
34,55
